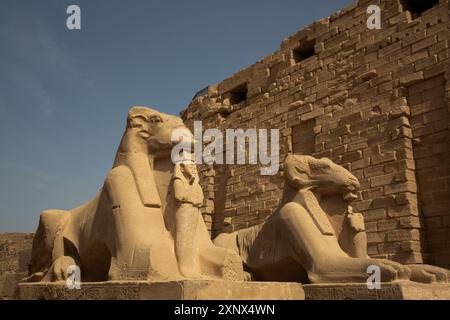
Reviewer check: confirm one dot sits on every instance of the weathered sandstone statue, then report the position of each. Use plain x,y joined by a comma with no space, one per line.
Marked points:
189,197
314,236
129,229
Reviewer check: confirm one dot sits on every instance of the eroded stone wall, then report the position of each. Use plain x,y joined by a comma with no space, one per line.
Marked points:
15,250
367,99
15,253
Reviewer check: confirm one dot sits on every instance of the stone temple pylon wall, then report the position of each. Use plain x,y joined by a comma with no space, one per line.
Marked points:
374,101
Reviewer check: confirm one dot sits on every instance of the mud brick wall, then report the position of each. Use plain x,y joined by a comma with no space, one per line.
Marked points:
374,101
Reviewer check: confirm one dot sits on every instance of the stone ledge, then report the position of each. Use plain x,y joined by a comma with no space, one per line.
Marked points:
173,290
401,290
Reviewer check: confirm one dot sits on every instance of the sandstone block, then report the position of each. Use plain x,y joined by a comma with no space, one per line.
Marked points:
174,290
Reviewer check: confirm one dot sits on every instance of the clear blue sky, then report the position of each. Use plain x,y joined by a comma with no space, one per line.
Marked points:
64,94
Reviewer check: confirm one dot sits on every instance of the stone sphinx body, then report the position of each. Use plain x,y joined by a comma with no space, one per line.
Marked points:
127,230
314,236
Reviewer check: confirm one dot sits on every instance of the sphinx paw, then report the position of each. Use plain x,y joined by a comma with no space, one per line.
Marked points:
429,274
391,271
60,268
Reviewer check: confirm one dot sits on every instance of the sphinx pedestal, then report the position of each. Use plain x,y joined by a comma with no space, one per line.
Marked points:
400,290
172,290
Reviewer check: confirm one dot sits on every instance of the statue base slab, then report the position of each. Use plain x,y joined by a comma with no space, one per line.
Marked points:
400,290
172,290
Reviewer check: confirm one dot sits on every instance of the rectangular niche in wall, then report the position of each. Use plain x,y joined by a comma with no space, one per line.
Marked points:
305,50
237,94
417,7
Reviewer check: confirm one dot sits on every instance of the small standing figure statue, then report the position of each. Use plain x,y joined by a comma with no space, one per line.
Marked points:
356,221
189,197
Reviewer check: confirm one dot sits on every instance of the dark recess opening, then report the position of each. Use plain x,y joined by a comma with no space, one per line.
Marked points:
238,94
304,50
417,7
